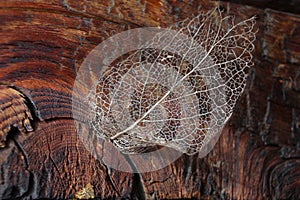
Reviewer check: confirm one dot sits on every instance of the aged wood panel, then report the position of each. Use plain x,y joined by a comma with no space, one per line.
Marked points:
42,45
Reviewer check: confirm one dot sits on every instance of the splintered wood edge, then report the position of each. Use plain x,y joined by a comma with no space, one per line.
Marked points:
14,113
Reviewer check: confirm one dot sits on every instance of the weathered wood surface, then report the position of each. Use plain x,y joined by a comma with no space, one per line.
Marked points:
42,45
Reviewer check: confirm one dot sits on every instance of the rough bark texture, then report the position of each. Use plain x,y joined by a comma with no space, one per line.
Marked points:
42,44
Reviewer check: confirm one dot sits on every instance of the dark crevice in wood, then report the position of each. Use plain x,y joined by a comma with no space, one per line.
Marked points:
57,118
31,182
138,191
31,106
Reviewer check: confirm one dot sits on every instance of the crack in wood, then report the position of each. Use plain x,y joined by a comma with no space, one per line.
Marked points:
31,182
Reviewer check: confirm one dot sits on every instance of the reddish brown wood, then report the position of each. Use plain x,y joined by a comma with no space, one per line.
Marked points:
14,113
42,45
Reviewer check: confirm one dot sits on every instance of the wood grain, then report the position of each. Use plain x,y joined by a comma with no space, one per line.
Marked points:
43,43
14,113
